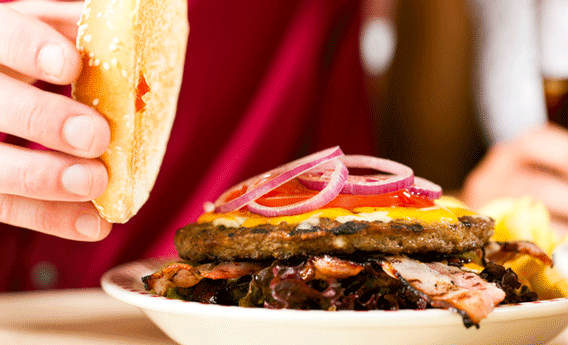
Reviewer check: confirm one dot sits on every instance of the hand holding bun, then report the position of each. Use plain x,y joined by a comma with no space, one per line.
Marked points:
133,56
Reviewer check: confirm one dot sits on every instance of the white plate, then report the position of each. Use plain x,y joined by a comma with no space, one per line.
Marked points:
196,323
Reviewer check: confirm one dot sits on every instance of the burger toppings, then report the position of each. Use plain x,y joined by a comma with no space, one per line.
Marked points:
312,235
257,186
426,188
325,173
446,287
501,252
184,275
294,191
403,176
333,283
329,192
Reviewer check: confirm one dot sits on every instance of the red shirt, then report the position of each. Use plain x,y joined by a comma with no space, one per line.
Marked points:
263,85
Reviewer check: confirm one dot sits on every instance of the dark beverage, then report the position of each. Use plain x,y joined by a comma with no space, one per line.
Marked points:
556,94
553,39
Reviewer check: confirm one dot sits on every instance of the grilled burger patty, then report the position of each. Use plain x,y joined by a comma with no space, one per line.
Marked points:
208,242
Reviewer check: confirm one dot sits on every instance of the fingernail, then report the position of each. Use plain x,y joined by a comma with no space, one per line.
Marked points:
51,59
78,132
77,179
88,225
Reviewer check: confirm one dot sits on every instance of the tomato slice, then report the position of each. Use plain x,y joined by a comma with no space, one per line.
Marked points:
141,90
294,191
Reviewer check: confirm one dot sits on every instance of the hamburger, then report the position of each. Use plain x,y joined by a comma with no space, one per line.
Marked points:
307,235
313,235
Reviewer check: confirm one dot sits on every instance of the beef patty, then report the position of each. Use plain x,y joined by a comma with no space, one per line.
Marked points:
208,242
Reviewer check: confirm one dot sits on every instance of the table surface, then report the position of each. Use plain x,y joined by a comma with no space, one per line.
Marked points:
74,317
84,317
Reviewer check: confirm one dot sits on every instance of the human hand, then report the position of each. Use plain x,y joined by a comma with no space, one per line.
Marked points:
534,164
48,191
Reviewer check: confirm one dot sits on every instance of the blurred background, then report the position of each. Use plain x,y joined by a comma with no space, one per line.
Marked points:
427,93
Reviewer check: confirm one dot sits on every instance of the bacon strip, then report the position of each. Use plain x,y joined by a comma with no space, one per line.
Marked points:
185,275
501,252
446,287
327,266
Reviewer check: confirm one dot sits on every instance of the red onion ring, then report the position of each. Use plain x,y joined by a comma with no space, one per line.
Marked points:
261,184
364,185
425,188
327,194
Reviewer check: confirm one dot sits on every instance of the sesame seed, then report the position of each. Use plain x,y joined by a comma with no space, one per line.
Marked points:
112,47
115,40
124,73
91,62
100,14
87,38
97,62
91,55
106,66
114,61
95,102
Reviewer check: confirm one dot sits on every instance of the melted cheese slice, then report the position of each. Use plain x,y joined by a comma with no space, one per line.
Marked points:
429,215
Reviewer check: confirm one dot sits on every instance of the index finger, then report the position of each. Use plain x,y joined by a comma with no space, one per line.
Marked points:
63,16
31,47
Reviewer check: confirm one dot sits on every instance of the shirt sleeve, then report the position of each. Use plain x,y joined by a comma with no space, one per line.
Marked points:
508,80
